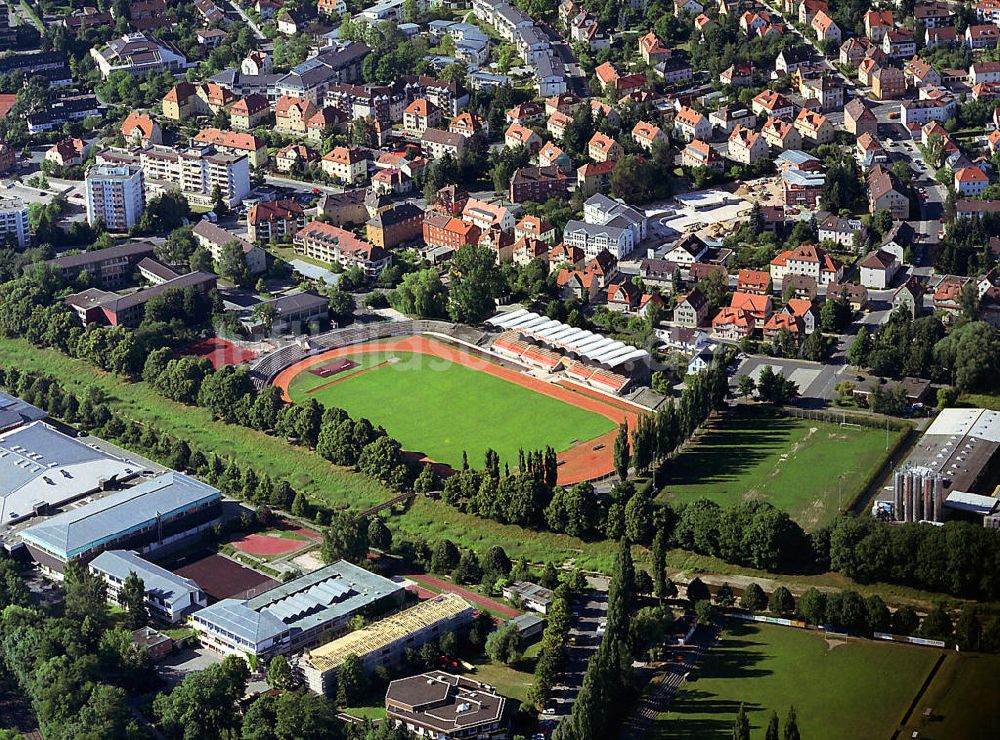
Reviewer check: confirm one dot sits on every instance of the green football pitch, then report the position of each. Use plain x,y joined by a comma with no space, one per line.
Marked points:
806,467
840,689
440,408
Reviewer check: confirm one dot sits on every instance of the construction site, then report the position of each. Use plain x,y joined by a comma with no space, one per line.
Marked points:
383,643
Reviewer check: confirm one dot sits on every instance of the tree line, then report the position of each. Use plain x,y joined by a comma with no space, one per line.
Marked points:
530,497
967,356
975,628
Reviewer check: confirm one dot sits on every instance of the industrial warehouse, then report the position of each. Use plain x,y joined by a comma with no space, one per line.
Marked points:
950,474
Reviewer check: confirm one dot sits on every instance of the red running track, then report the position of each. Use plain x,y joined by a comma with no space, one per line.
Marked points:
579,463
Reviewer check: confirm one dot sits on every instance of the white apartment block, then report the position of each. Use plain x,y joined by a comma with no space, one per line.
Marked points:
15,227
116,196
197,171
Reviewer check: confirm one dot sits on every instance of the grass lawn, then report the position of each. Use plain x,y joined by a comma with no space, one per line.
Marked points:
964,700
794,463
441,409
856,689
302,468
510,680
375,709
980,400
327,484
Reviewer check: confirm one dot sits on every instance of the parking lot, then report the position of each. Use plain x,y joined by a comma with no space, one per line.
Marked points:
172,669
589,610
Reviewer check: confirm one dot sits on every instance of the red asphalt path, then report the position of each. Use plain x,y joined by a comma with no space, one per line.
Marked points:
472,596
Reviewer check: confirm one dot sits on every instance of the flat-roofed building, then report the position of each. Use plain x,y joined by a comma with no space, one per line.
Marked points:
169,597
197,171
950,472
533,597
15,224
40,467
442,705
165,511
116,196
14,412
297,614
384,642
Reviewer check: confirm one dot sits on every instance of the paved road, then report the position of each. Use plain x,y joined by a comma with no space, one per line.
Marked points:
301,185
248,20
589,610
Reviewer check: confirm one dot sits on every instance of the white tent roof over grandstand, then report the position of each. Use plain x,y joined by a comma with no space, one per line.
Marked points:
587,344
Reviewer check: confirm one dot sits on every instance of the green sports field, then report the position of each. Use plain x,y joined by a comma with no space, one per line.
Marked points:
802,466
963,700
440,408
840,689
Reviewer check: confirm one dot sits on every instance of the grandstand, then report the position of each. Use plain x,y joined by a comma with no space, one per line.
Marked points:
383,642
510,344
610,355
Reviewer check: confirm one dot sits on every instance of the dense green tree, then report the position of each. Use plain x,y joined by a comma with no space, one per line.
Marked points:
741,727
476,284
753,599
504,644
622,454
280,674
133,601
351,681
445,557
791,731
203,704
345,539
781,601
772,732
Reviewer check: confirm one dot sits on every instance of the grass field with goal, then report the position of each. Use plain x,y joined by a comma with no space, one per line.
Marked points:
441,408
803,466
840,688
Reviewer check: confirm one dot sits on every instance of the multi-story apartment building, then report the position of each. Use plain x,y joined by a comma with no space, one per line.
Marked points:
15,228
116,196
334,245
214,238
275,219
231,142
346,164
249,111
334,65
442,230
538,183
198,171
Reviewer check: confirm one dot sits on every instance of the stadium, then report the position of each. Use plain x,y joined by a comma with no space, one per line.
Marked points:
448,391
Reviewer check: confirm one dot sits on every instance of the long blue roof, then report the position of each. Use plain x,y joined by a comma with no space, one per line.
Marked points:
79,530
